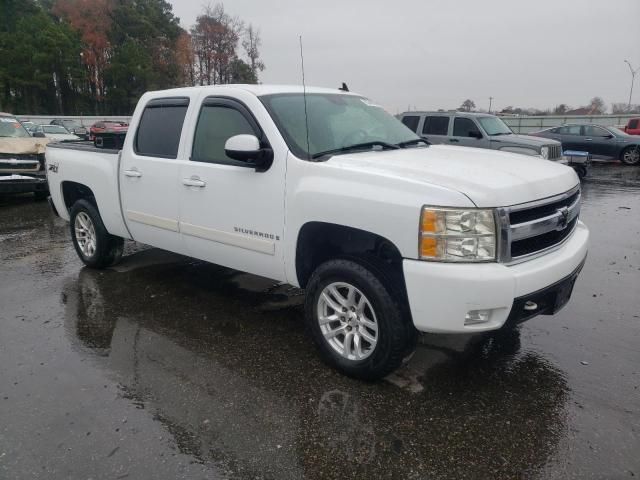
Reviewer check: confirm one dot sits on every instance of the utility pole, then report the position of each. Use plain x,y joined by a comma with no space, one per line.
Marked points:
490,100
633,78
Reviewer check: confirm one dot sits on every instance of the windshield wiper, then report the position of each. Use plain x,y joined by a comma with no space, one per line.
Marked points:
357,146
501,133
412,142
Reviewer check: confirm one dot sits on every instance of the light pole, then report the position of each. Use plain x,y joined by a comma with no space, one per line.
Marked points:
633,78
490,101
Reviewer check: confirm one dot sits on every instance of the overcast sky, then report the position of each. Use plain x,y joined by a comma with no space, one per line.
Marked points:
431,54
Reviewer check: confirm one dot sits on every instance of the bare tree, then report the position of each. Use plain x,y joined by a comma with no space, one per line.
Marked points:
467,105
215,39
251,45
597,105
561,109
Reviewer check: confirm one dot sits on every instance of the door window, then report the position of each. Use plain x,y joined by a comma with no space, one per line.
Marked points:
464,127
569,130
160,127
634,123
436,126
411,121
216,124
591,131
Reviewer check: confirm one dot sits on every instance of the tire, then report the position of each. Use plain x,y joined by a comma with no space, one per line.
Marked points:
394,337
581,170
96,247
630,156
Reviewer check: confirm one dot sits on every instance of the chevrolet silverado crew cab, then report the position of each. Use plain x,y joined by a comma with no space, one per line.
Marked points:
326,191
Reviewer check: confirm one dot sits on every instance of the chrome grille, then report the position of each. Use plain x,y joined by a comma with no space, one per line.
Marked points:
555,152
534,228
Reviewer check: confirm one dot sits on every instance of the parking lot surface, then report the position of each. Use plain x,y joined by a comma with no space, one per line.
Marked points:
167,367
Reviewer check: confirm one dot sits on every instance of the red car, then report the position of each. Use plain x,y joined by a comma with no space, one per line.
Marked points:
107,126
633,126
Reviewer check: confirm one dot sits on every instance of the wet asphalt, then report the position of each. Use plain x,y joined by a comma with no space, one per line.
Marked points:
167,367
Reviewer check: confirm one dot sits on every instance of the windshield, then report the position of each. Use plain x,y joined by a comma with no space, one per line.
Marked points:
10,127
619,133
54,129
335,121
494,126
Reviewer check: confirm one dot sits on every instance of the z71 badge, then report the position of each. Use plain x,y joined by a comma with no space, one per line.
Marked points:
53,167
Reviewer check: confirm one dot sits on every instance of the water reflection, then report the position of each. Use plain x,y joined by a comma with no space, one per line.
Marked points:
221,360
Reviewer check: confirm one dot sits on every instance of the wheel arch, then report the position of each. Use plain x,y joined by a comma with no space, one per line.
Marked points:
321,241
74,191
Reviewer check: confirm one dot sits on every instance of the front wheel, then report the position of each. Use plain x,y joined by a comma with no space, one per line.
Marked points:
95,246
358,326
630,156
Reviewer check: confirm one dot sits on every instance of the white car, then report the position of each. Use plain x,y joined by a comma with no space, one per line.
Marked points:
56,132
325,190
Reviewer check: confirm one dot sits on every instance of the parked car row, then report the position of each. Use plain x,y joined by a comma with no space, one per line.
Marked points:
599,141
105,133
482,130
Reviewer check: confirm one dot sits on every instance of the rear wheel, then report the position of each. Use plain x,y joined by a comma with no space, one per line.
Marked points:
354,320
95,246
630,156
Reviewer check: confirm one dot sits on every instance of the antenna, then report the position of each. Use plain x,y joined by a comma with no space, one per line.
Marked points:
304,96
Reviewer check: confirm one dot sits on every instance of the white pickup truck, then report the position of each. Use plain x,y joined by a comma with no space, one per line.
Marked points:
328,192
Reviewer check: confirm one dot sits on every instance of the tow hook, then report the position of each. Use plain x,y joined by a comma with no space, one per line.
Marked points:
530,306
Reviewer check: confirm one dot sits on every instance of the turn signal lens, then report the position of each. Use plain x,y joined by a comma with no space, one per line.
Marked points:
457,235
429,247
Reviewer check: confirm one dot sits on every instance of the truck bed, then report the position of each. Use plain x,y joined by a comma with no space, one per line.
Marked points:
82,145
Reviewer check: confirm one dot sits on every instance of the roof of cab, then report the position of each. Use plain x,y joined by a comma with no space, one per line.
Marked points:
259,90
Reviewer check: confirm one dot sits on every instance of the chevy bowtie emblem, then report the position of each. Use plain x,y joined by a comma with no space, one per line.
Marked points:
563,219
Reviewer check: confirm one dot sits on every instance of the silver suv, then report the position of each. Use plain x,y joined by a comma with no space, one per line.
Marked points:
479,130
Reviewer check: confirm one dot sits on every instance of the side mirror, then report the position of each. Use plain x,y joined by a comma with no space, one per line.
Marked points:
246,148
608,136
475,134
39,135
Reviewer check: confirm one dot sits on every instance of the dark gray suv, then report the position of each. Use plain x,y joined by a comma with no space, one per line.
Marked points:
479,130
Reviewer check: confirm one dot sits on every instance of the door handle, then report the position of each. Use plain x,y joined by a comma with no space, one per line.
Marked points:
454,140
589,139
194,182
132,173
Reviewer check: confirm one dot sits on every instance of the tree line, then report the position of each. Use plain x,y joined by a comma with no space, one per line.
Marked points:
96,57
596,106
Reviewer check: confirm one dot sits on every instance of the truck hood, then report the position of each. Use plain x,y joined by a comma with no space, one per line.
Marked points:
527,140
487,177
23,145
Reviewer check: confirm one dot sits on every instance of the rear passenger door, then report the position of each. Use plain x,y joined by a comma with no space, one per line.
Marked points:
150,173
435,128
466,133
571,138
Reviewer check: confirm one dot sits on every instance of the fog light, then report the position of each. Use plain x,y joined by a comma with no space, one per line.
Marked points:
473,317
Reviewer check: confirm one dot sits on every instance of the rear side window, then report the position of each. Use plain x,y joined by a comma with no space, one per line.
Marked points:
219,121
633,123
464,127
435,126
411,122
160,127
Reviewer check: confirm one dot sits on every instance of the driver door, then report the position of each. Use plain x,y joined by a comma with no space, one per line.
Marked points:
230,214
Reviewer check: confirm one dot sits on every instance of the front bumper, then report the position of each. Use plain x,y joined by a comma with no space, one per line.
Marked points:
441,294
22,184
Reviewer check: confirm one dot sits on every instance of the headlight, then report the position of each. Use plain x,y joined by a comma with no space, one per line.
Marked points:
544,153
457,235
